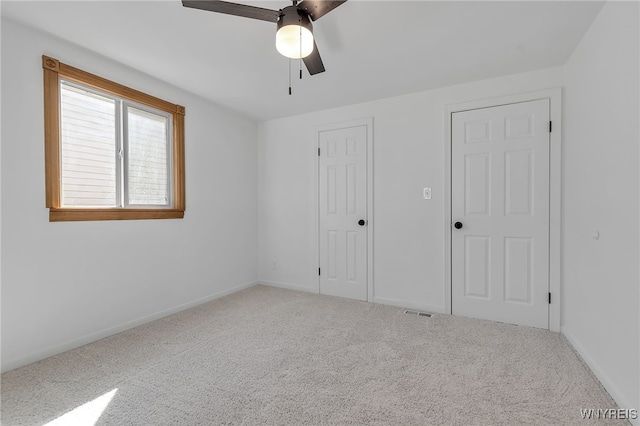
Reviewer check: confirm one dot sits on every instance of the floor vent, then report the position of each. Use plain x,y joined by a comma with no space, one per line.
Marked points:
419,314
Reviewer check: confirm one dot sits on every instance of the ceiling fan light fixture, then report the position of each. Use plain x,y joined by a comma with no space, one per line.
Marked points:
294,36
288,42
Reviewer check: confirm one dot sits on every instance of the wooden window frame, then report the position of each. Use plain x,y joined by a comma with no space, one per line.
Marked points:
55,70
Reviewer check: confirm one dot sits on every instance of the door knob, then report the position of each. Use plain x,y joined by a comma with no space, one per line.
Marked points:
362,222
457,225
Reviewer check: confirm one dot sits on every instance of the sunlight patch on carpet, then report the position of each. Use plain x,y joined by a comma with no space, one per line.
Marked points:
86,414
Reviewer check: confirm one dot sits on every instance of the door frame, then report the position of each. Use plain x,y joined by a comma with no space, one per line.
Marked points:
555,191
368,123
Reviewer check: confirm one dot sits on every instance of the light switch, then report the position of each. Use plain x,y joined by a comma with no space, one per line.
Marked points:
427,193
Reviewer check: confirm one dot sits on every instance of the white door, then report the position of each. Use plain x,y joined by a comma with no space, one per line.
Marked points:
343,212
500,213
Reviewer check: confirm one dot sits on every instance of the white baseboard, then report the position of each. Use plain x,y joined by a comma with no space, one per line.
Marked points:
600,374
92,337
384,301
410,305
287,286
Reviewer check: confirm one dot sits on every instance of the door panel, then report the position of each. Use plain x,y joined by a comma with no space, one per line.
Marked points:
477,267
518,263
518,183
477,188
342,203
500,193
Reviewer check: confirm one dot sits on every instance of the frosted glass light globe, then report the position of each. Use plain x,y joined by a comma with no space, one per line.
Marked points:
288,39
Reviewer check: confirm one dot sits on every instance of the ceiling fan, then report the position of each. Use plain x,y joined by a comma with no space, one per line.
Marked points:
294,34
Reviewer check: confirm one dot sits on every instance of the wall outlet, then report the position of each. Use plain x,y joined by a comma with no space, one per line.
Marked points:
426,193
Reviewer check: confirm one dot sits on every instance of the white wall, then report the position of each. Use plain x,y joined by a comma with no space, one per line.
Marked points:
64,284
600,299
408,155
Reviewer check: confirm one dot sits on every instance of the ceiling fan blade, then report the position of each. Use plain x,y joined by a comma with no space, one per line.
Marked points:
234,9
318,8
313,62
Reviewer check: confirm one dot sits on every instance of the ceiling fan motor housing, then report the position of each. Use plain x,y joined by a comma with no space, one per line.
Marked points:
291,15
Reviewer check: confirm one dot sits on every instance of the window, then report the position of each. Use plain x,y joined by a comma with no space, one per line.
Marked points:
111,152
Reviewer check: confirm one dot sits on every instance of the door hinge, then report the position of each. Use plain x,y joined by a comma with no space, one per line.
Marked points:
318,271
318,152
550,126
549,298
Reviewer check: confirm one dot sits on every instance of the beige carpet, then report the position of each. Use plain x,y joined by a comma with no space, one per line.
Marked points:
267,356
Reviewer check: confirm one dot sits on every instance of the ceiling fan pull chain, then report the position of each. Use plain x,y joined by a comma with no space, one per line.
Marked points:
289,76
300,46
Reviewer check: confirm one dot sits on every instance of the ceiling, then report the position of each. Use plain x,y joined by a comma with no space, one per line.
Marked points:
371,49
